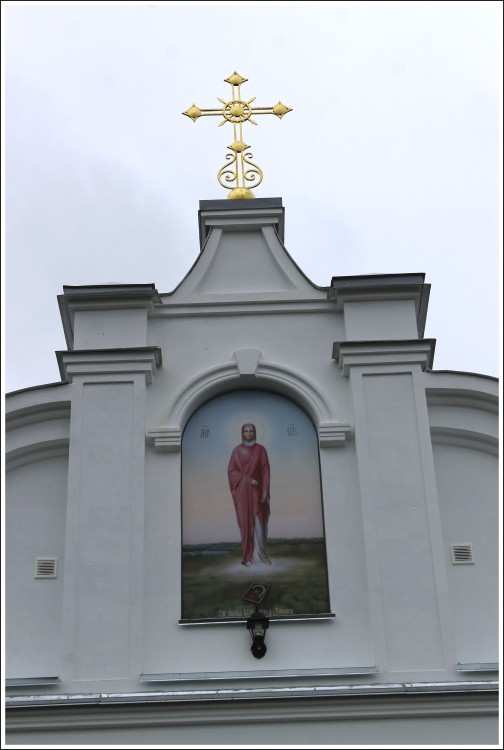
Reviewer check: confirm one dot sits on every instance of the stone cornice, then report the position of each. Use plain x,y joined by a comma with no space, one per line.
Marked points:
165,439
98,363
103,297
333,435
266,303
379,288
372,353
224,213
219,706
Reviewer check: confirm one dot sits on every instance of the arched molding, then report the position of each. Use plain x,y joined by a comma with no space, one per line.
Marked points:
463,397
36,413
268,376
36,432
247,371
36,452
465,438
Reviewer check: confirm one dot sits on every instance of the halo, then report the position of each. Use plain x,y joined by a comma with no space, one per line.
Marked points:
237,428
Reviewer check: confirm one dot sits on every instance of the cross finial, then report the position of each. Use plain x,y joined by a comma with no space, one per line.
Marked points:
239,174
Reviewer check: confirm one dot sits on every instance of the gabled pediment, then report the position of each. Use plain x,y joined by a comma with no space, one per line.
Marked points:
243,257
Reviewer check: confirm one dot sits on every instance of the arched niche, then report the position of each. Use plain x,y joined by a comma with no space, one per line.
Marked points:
248,370
215,501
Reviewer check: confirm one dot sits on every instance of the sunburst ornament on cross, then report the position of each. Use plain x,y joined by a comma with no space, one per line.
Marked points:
239,174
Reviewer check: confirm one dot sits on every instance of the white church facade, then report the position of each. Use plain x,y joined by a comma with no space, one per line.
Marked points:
128,584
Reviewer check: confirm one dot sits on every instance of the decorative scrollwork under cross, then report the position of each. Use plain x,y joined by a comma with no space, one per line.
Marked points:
239,174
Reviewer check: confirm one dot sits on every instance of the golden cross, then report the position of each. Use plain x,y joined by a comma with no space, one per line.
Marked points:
239,167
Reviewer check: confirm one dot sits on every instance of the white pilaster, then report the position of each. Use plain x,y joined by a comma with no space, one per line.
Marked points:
405,560
102,600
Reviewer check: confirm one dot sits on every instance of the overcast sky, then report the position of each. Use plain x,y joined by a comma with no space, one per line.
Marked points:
388,163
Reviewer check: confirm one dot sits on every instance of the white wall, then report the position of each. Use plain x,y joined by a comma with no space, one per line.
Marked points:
467,487
35,518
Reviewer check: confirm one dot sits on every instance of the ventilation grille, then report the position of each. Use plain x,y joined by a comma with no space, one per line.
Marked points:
46,567
462,554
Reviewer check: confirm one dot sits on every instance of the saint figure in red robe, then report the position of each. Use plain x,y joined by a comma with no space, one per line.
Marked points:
249,482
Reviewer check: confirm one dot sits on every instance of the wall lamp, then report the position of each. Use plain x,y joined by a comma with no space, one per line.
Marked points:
258,624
